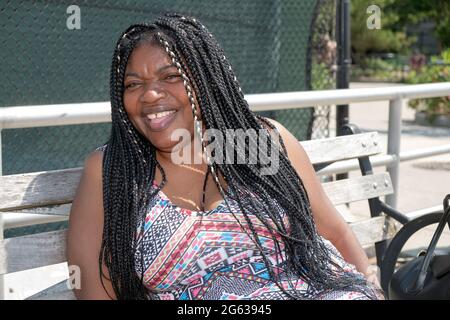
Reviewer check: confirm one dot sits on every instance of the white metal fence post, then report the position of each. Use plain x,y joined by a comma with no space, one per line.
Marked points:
393,147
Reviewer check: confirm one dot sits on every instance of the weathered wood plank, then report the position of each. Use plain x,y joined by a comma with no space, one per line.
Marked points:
358,188
34,251
36,189
2,257
54,210
59,291
21,219
373,230
342,148
2,248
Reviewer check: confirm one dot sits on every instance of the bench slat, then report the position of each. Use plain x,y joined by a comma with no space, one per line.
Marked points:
59,291
53,210
373,230
2,253
358,188
22,219
39,215
36,250
342,148
20,191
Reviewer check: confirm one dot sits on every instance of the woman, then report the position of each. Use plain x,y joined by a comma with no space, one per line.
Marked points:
144,225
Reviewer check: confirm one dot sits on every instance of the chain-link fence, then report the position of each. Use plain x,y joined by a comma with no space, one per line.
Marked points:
323,63
318,70
273,45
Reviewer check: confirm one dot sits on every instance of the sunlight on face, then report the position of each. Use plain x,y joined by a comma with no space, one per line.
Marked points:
155,97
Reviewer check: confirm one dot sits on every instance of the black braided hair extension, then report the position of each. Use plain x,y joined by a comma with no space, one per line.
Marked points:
129,164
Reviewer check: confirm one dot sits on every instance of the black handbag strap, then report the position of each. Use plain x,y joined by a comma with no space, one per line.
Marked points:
418,285
396,244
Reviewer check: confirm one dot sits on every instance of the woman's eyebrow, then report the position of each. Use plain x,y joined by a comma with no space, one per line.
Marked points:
131,74
163,68
166,67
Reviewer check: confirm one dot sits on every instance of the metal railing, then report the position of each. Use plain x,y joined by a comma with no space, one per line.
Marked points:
83,113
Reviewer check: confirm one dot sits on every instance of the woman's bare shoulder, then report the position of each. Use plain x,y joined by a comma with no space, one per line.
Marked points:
87,205
295,151
278,126
93,164
289,140
88,200
90,189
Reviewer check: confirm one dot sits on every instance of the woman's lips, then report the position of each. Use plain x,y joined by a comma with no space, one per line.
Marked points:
161,123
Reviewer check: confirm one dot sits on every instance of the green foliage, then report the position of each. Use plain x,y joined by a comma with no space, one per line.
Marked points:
322,77
377,64
386,39
395,16
430,74
444,58
377,69
416,11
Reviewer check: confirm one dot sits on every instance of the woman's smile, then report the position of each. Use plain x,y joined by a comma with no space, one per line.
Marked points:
161,120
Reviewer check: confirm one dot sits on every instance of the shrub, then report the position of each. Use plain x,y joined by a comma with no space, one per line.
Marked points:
431,106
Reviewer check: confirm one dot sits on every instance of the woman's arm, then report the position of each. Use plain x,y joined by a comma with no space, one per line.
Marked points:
86,231
329,221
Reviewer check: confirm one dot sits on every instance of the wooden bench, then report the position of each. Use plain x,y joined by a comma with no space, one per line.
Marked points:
51,192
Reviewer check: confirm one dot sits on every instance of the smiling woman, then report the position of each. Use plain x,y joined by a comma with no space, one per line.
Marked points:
145,227
150,78
155,97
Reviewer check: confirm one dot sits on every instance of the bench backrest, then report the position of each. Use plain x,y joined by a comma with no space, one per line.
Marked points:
51,192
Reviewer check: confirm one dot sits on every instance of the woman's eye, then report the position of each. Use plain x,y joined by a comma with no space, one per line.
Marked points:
172,76
131,85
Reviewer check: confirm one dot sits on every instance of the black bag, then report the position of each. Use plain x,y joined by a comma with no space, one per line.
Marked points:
426,276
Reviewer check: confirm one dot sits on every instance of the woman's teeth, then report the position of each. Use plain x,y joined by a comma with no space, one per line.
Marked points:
160,114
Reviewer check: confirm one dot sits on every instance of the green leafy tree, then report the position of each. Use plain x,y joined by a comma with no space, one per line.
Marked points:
369,40
410,12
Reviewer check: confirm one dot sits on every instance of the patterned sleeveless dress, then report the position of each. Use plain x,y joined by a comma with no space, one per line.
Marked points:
191,255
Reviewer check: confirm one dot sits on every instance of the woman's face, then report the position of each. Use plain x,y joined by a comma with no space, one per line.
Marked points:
155,98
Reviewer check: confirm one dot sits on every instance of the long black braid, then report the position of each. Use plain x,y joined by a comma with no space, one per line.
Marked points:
130,162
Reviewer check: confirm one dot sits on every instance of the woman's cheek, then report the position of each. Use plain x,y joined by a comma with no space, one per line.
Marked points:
134,117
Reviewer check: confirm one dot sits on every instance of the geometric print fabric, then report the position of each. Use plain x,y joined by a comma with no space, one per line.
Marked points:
189,255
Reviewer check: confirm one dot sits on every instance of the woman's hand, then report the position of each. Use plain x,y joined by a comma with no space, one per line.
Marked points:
372,275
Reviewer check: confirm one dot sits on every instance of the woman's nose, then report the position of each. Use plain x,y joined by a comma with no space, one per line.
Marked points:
152,93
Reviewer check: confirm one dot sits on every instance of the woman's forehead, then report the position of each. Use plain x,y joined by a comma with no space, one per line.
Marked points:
150,56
